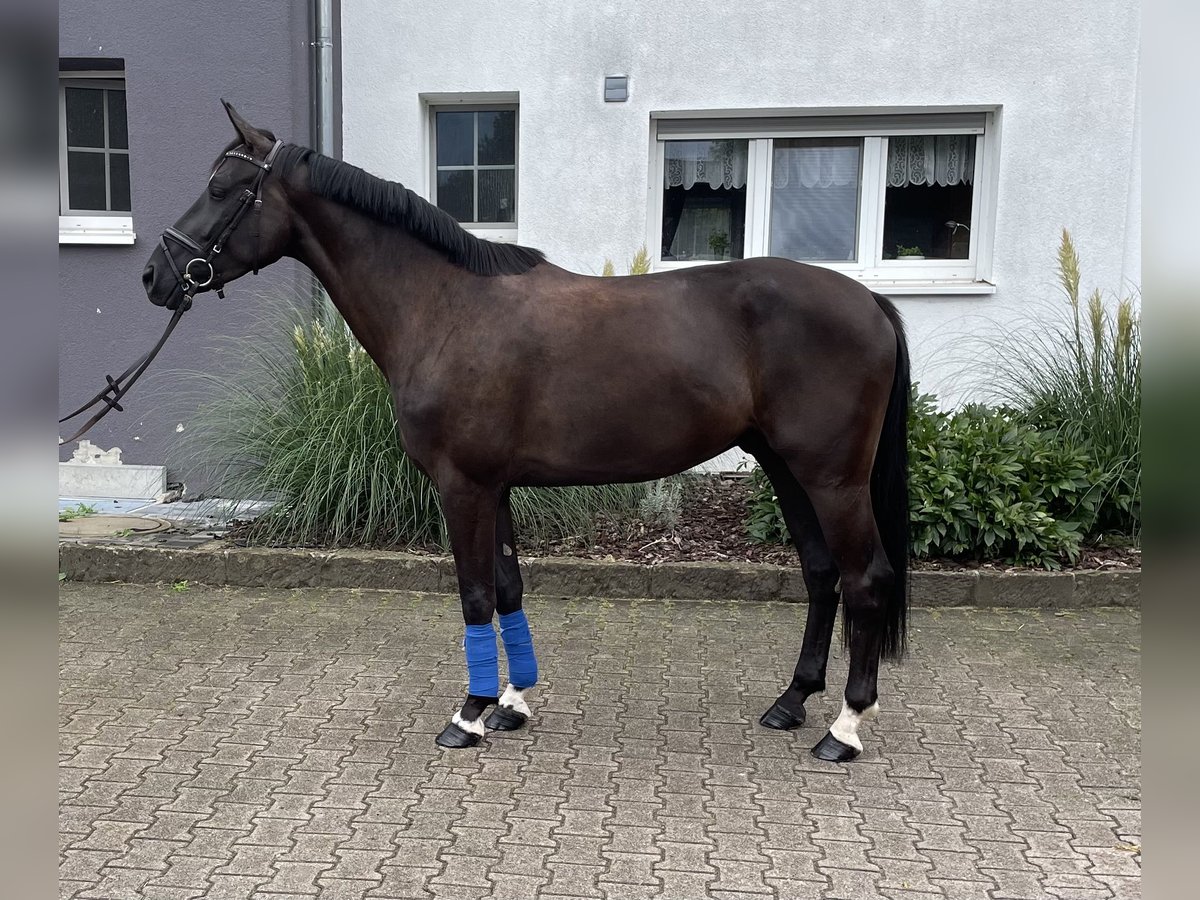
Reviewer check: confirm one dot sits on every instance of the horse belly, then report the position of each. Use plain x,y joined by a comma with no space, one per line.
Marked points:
624,432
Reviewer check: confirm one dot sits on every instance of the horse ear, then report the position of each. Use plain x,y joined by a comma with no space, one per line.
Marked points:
253,137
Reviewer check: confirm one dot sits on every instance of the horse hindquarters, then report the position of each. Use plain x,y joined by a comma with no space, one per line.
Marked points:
862,511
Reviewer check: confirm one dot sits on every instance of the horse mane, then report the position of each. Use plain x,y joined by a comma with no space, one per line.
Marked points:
393,204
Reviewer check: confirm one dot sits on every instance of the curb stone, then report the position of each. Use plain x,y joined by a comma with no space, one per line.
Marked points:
217,564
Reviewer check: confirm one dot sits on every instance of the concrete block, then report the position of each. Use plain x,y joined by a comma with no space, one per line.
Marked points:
387,571
715,581
587,578
254,567
140,564
84,562
564,577
90,480
792,588
1026,590
930,589
1108,588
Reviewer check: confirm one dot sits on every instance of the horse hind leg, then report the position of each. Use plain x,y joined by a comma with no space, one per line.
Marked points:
820,578
848,522
512,711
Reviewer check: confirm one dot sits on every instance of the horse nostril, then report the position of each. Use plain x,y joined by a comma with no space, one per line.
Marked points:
148,277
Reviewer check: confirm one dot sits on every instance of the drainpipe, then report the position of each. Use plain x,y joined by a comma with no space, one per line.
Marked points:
322,80
322,100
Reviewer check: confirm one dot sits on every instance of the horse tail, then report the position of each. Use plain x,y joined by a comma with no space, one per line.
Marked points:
889,489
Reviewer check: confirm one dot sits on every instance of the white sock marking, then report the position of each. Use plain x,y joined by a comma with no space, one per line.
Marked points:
474,726
845,729
514,699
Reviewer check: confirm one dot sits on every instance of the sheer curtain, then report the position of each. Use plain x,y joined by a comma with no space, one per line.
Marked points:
929,159
814,198
719,164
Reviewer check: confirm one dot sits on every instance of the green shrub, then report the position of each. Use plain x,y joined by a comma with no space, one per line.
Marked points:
764,519
983,485
307,421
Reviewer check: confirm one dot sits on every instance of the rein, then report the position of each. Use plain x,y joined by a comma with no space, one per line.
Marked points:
116,389
189,282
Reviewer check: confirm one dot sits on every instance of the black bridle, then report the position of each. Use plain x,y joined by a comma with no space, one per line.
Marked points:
251,198
188,282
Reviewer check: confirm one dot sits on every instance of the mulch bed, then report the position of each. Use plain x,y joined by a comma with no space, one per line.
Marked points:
712,527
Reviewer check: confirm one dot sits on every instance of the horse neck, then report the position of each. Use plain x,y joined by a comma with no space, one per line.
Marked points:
383,281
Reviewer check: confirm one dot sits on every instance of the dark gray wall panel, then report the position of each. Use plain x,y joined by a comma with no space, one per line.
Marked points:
180,57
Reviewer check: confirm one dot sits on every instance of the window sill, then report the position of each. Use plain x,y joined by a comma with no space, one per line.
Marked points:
499,235
113,230
930,288
667,265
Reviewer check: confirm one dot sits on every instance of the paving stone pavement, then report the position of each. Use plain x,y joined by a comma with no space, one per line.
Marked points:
224,743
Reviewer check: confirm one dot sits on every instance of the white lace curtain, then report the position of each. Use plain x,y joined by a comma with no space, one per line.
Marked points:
719,164
941,159
807,164
930,159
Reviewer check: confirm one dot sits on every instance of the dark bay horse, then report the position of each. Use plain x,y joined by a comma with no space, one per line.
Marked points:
507,370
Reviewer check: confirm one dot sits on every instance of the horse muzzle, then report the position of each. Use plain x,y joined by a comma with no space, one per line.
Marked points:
162,286
159,290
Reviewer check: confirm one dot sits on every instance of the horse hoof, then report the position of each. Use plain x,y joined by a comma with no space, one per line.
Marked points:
504,718
781,719
830,749
457,738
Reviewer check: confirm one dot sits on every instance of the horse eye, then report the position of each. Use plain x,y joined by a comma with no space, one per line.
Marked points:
217,193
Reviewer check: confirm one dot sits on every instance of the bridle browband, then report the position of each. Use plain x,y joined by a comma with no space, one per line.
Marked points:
188,282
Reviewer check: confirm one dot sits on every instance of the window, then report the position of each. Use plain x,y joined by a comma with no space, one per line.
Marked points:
704,200
815,199
895,200
928,198
475,165
94,189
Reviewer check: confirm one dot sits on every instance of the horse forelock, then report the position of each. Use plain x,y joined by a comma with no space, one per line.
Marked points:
392,203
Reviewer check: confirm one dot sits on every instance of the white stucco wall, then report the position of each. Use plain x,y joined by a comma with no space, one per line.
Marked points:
1064,73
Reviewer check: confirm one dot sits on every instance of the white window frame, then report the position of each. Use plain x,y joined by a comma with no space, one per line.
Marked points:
89,226
933,276
504,232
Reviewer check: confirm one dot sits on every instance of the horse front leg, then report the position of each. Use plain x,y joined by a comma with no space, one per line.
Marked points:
512,711
470,511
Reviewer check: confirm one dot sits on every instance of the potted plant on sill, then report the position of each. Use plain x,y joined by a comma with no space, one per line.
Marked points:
903,252
718,243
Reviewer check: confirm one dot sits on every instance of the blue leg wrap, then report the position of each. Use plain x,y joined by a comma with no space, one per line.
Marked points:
483,667
518,647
